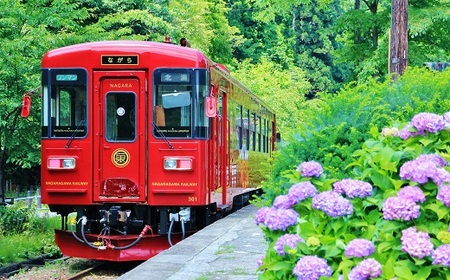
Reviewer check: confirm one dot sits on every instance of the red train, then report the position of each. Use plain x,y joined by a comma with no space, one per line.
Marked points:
146,142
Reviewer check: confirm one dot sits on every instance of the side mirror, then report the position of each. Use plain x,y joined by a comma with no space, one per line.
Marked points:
211,106
26,106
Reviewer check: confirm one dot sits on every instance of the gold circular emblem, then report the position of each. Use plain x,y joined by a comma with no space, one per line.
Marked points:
120,157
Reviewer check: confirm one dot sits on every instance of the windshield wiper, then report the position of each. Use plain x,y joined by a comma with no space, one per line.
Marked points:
74,134
162,135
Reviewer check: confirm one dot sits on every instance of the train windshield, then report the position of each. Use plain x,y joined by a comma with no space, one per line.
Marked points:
64,103
179,103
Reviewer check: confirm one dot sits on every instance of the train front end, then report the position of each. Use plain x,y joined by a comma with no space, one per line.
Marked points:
125,145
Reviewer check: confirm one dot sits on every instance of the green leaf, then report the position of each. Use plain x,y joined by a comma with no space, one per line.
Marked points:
381,180
440,210
423,273
403,272
388,269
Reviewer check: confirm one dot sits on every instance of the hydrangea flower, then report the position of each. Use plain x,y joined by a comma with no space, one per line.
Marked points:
442,177
386,131
261,214
412,192
428,122
359,248
332,204
437,159
444,195
280,219
367,269
353,188
289,240
301,191
447,119
260,261
400,208
441,256
311,268
418,171
416,243
406,132
282,201
310,169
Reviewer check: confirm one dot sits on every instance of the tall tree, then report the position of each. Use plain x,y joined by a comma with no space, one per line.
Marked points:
204,24
27,30
363,32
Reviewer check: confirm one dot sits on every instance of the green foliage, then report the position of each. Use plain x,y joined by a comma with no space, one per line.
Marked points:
333,129
24,235
13,219
267,79
259,165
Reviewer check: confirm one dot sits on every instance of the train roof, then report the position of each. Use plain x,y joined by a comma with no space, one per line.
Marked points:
173,55
88,55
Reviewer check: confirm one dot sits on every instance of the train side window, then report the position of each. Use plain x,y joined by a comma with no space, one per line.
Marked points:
68,111
179,103
64,103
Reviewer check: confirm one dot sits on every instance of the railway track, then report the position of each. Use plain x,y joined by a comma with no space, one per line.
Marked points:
65,269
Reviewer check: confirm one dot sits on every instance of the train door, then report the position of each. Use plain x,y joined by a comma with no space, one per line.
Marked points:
220,148
119,148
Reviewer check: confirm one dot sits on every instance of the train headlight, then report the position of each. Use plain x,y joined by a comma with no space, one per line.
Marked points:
170,163
61,163
68,163
178,163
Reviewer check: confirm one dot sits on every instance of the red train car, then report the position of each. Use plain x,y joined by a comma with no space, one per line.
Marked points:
146,142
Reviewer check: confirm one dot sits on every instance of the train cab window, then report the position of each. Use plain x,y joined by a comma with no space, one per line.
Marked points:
179,103
64,103
120,116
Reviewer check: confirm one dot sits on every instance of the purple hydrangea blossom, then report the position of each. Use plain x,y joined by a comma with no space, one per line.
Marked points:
437,159
444,195
289,240
367,269
406,132
280,219
301,191
311,268
353,188
418,171
400,208
441,256
260,261
412,192
310,169
442,177
416,243
282,201
333,204
428,122
447,119
261,214
359,248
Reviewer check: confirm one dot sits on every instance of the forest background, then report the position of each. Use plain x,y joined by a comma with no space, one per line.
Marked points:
294,54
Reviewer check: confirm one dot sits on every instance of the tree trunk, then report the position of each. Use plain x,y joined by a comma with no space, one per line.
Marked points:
398,49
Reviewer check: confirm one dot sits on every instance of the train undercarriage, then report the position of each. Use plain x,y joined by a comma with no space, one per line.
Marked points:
132,232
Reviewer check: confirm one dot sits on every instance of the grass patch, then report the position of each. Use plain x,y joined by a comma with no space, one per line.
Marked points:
35,238
225,249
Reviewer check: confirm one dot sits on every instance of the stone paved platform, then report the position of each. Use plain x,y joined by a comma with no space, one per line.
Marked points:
226,250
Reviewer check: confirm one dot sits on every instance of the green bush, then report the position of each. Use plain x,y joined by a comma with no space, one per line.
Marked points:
342,122
403,220
13,218
24,235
